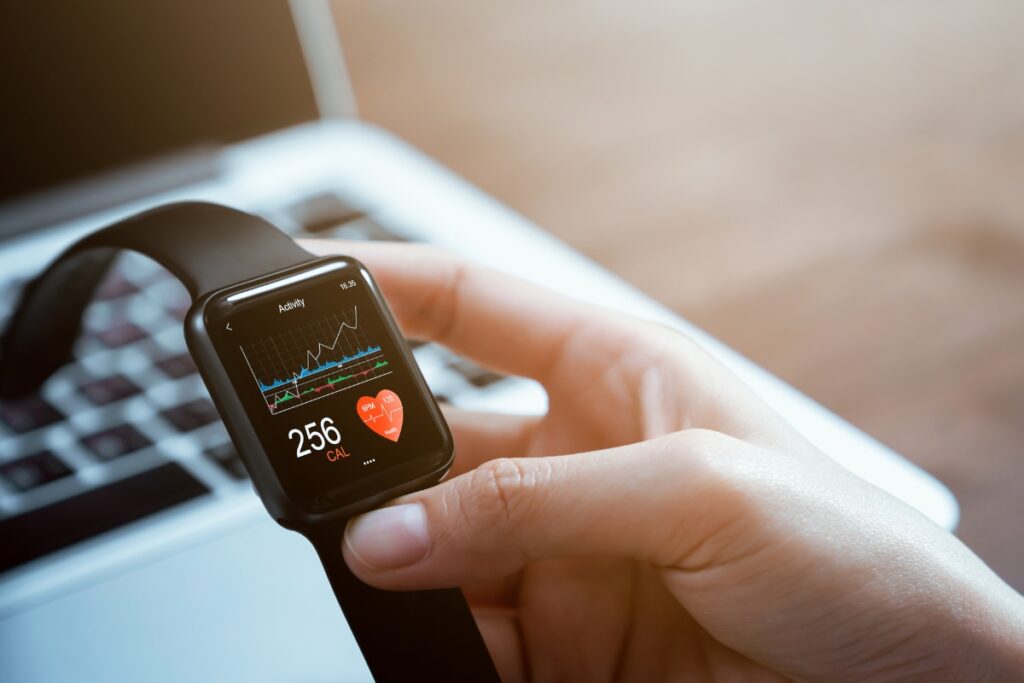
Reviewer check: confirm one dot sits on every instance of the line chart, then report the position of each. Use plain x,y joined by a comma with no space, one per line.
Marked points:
314,360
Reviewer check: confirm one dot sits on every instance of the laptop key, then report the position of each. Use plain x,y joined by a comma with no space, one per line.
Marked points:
177,306
34,470
322,212
121,334
25,414
109,389
474,374
178,366
192,415
368,230
115,442
115,286
38,532
227,458
485,379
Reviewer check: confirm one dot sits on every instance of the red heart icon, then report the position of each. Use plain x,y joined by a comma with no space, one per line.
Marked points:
382,414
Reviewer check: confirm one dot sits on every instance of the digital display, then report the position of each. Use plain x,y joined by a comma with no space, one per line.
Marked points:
324,379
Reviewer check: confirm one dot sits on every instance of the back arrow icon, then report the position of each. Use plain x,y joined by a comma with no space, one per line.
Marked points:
228,327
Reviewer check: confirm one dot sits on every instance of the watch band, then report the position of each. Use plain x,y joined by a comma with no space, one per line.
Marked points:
206,246
406,635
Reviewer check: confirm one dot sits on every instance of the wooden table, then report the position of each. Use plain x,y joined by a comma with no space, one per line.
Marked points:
835,190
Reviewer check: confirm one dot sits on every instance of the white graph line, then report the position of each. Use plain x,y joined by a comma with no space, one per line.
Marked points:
310,356
321,346
383,412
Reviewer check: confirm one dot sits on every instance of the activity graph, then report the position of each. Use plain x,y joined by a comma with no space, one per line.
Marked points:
314,360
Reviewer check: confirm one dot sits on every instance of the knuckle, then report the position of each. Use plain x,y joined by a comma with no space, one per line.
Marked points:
698,446
727,472
502,490
727,495
443,299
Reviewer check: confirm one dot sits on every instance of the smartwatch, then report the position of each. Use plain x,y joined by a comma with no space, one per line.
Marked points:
317,388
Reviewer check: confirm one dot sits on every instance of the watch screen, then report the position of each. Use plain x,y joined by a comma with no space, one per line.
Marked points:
327,383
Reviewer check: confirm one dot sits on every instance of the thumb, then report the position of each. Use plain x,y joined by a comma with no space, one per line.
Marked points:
645,501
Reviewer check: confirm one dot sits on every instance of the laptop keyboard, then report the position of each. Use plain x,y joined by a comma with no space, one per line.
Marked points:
128,429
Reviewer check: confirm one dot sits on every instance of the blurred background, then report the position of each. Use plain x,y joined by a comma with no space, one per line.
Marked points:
835,190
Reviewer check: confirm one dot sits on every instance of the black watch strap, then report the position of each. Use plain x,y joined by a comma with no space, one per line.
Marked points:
418,635
207,246
428,635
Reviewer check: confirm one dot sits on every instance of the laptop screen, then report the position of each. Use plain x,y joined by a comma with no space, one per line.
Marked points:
93,85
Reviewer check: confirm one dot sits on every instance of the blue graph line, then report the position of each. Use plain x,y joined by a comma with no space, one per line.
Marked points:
306,372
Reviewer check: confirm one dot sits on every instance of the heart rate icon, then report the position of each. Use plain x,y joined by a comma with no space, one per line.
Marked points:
382,414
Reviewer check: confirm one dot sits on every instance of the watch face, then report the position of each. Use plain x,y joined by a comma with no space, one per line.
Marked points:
325,381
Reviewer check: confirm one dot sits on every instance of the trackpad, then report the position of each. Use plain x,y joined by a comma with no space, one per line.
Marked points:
251,605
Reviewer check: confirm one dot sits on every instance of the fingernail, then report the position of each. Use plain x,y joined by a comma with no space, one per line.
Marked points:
391,537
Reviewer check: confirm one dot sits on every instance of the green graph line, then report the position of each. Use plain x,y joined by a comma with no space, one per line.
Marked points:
288,395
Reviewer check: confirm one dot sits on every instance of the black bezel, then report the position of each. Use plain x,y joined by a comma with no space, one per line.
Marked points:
367,493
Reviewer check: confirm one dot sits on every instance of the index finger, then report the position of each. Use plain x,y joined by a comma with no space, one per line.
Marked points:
501,321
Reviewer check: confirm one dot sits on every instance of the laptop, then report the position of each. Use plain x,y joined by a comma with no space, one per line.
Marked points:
131,544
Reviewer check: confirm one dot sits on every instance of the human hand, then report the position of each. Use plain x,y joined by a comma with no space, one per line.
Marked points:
661,522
